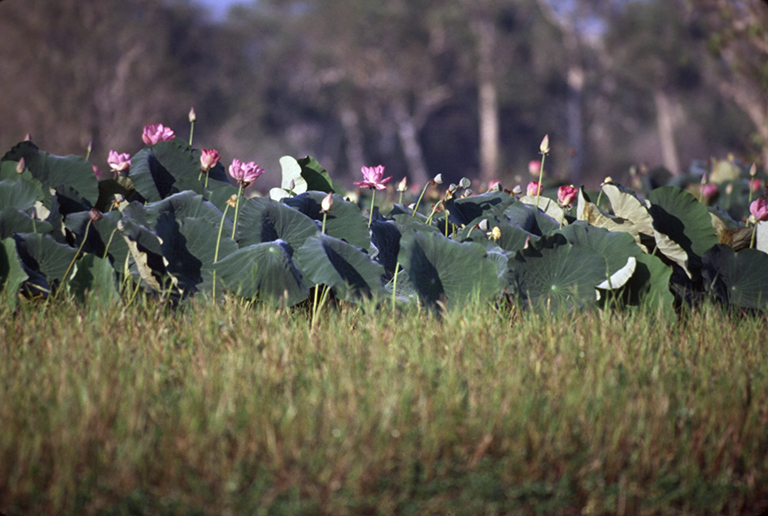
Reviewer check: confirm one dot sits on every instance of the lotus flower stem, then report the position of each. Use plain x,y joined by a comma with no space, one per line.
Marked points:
370,214
325,214
754,237
109,242
218,242
423,191
541,176
434,210
237,210
79,250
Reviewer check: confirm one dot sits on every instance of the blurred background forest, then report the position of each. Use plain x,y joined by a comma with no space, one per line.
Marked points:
458,87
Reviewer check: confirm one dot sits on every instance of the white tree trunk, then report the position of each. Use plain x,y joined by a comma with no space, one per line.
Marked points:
488,103
408,134
666,127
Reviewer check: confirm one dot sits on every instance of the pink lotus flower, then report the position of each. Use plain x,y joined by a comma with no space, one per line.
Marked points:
567,194
155,133
373,178
759,209
119,162
244,173
534,188
709,191
756,185
208,159
534,166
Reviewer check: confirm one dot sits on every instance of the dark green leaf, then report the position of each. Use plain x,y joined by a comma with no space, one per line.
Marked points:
342,266
12,274
345,221
264,220
738,279
445,270
265,271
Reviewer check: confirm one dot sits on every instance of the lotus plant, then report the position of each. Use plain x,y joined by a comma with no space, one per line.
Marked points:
373,178
437,180
566,195
244,174
119,163
208,159
759,211
544,150
534,188
192,118
156,133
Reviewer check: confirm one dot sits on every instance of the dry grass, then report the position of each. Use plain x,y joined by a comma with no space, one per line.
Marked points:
234,410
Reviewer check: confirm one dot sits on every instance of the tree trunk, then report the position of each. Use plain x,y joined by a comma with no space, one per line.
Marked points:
408,134
488,103
355,150
666,128
575,118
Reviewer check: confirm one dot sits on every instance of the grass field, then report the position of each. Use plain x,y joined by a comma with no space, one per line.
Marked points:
229,409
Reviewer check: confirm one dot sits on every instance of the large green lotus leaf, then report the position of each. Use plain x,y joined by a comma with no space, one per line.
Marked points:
614,248
738,279
265,271
594,216
43,254
291,182
12,274
513,237
680,216
546,205
15,221
385,236
345,221
530,219
186,204
627,206
170,167
110,189
19,191
315,175
342,266
448,271
555,273
94,278
264,220
649,285
465,210
65,174
189,247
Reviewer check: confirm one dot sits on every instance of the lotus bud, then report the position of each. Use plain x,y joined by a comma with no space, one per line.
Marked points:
544,147
438,179
753,170
467,192
495,233
494,186
465,183
452,188
327,203
291,185
756,185
729,189
208,159
534,188
412,206
607,180
192,115
517,190
704,179
759,209
483,225
567,194
709,191
28,138
89,149
402,185
232,201
95,215
21,166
